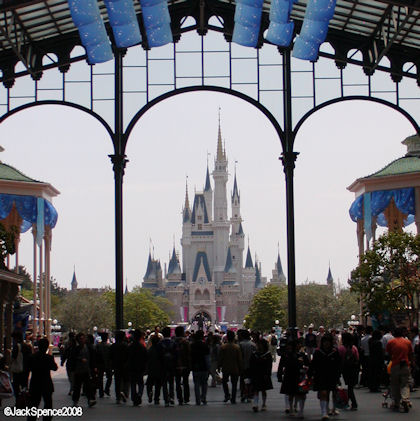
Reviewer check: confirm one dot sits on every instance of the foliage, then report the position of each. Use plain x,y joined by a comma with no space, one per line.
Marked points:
27,293
7,243
27,279
268,305
56,290
320,305
84,309
388,275
142,308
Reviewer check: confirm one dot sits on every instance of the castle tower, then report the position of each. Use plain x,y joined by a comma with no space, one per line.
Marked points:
186,233
221,224
237,235
330,279
74,281
208,195
278,277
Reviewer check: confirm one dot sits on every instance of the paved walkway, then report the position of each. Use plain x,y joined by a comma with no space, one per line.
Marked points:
370,408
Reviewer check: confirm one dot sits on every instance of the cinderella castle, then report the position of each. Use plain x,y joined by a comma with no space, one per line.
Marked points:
212,283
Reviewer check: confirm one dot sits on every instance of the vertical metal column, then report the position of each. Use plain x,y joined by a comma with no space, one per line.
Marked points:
118,160
288,159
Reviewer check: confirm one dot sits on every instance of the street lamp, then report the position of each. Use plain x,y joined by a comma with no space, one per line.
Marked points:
129,324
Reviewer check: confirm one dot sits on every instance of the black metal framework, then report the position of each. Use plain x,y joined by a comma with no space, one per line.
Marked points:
287,91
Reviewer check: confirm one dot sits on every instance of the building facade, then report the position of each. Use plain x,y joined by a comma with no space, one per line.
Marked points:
212,281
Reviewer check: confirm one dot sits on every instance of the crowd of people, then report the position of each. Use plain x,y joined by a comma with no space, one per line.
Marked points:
162,361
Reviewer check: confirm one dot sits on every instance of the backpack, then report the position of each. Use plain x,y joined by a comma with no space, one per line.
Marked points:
273,340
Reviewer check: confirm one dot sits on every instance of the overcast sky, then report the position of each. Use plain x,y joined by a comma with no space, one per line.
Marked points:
69,149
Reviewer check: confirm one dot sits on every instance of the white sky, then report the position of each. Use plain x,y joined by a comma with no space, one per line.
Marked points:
69,149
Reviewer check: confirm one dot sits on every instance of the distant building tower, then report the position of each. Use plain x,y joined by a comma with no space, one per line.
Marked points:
278,277
74,281
330,279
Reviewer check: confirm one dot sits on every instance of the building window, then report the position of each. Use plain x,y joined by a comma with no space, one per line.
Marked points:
199,217
200,226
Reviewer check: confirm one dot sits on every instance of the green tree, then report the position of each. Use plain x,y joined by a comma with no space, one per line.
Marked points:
142,310
27,279
7,243
388,275
268,305
82,310
322,305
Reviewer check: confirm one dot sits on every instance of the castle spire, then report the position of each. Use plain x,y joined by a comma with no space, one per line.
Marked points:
207,187
220,155
330,279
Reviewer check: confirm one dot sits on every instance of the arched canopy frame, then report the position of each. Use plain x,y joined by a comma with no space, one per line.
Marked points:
285,90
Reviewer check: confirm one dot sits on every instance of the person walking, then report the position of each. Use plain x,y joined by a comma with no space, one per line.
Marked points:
41,385
325,371
182,366
400,351
137,361
103,361
82,359
259,371
350,365
169,361
214,346
247,349
293,366
230,361
154,370
376,362
65,354
120,366
364,356
310,341
21,352
200,364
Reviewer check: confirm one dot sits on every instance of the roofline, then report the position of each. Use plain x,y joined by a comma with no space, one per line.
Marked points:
366,185
29,188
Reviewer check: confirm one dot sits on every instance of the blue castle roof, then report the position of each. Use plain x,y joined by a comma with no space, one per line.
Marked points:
201,258
199,201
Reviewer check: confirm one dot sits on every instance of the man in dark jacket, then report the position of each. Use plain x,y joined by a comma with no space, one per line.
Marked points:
154,369
182,366
40,365
200,364
103,361
169,360
120,365
230,361
137,358
82,359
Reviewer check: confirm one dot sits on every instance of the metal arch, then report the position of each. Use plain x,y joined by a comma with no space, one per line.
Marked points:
351,98
65,103
210,88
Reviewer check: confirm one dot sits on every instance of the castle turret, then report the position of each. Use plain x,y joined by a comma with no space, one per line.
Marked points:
237,234
74,281
278,277
221,223
186,231
330,279
208,195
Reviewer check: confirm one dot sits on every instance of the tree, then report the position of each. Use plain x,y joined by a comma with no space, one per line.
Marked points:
268,305
141,309
388,276
82,310
27,283
7,243
321,305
